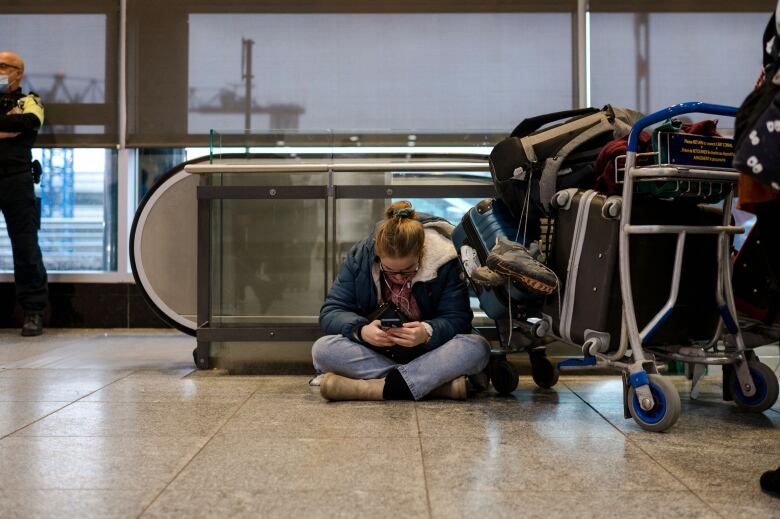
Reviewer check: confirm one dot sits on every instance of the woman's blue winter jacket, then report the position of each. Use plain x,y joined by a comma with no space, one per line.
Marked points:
443,300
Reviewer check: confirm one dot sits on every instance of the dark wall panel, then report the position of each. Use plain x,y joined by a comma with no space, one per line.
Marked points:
85,305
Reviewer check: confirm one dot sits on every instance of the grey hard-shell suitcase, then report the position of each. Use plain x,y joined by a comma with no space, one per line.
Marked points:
584,255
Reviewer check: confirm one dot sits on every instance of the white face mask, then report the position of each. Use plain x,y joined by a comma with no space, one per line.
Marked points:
5,86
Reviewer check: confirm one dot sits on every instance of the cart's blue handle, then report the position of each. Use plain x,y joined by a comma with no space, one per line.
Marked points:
666,113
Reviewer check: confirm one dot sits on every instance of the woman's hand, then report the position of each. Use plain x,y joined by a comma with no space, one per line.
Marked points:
410,335
373,334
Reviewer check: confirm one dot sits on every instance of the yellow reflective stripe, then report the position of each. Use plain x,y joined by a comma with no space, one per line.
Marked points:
30,105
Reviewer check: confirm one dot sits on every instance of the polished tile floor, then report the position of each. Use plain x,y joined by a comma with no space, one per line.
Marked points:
117,424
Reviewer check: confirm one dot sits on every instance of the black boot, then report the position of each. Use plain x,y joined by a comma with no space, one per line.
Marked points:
770,482
396,387
33,325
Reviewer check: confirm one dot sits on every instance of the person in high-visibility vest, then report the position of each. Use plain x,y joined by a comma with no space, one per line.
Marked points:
21,116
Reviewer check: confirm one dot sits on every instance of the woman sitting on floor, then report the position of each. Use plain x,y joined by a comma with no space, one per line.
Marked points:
410,265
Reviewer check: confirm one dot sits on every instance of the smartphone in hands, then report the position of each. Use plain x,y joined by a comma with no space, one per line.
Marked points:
390,322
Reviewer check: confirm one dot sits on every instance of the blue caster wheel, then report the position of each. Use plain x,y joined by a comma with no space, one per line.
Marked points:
666,408
766,388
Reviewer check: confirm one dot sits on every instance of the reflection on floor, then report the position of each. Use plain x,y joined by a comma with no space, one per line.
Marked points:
117,424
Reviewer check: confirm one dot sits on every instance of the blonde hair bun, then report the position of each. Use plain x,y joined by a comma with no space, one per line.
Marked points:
401,234
400,209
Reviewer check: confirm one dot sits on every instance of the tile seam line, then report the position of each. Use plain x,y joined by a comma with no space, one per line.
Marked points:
639,446
422,463
189,461
66,405
75,345
691,490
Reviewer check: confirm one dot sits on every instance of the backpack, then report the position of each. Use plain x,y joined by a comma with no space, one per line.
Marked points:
532,164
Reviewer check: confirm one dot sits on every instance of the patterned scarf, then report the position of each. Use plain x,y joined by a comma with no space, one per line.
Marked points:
398,289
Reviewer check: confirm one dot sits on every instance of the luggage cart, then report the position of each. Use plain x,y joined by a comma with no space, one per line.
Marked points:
651,400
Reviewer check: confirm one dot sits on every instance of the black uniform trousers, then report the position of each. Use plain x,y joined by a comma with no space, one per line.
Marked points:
768,215
22,217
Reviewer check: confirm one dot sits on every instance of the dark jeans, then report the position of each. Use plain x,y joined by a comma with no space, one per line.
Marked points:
768,215
22,217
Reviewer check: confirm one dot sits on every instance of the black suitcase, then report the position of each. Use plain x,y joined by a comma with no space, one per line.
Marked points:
585,257
479,228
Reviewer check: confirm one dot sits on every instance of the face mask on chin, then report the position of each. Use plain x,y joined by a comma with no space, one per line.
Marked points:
5,84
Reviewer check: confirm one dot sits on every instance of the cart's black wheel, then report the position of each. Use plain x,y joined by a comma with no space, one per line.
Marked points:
504,377
544,373
766,384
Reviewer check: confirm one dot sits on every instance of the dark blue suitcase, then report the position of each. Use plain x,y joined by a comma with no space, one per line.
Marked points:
508,305
479,228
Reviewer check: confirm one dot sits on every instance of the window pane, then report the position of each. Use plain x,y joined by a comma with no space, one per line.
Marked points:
379,72
649,61
66,58
452,72
78,200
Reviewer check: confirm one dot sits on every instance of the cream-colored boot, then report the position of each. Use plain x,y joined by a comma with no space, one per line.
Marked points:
336,387
454,389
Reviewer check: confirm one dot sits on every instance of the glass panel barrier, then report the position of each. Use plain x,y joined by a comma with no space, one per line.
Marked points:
269,273
272,234
277,237
267,253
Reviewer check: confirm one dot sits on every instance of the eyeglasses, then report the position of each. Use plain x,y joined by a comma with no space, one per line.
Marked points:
410,272
7,66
